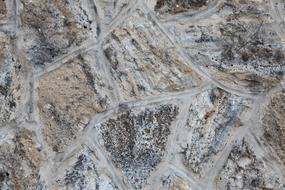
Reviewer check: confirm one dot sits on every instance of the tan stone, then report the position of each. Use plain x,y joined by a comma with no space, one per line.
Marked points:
68,98
273,123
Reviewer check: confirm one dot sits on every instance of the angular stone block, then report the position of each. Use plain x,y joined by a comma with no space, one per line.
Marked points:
70,96
136,140
213,118
245,170
144,62
20,161
53,28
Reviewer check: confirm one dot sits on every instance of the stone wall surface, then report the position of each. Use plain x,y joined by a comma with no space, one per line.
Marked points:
142,94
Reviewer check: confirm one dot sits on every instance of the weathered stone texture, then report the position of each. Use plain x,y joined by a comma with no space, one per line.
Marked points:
239,45
179,6
144,62
213,117
173,181
12,81
136,140
273,122
142,94
52,28
69,97
244,170
20,161
84,171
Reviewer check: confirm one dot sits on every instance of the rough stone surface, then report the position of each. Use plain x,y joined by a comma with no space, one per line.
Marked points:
86,172
178,6
238,45
142,94
144,62
244,170
213,116
20,161
12,79
274,124
173,181
51,28
69,97
136,140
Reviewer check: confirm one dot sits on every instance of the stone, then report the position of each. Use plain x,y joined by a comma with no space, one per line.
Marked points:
144,62
3,9
52,28
84,171
212,119
13,74
178,6
173,181
69,97
238,45
20,161
256,175
136,140
273,123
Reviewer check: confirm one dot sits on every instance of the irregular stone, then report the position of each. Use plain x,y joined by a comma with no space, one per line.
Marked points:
213,117
3,9
136,140
69,97
12,81
85,172
174,182
273,122
178,6
237,45
253,174
144,62
52,28
20,160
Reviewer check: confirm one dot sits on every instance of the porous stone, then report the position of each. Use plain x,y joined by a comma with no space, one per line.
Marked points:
213,117
245,170
69,97
273,122
20,161
238,45
84,171
136,140
144,62
52,28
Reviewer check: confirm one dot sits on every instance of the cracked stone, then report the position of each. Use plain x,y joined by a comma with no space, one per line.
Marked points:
273,122
213,117
136,140
69,97
20,162
238,45
256,175
52,28
144,62
85,172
